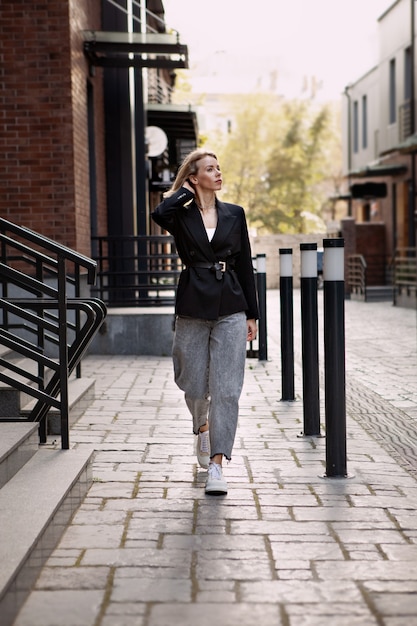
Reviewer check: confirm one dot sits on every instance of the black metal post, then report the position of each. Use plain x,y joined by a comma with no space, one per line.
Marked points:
287,323
309,340
334,358
261,287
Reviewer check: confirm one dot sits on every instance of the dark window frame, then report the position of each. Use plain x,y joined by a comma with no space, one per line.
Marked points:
364,121
392,92
355,126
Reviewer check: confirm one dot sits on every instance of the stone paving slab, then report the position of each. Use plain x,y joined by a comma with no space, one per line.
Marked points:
287,546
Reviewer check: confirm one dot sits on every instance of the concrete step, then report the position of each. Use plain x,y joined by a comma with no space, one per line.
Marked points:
12,400
18,443
374,294
36,505
80,395
379,294
135,330
18,405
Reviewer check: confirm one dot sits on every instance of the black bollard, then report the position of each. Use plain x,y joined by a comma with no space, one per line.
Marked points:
261,287
334,358
309,340
287,324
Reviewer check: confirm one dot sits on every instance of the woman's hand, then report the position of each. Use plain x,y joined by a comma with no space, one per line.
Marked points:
252,330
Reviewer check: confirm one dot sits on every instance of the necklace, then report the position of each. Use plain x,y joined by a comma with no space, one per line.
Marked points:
206,208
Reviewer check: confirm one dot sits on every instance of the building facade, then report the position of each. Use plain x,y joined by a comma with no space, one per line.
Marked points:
81,83
380,143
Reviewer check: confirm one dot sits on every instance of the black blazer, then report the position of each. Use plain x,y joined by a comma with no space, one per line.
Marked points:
200,293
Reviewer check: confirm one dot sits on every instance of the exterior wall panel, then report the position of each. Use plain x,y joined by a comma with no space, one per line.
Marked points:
44,172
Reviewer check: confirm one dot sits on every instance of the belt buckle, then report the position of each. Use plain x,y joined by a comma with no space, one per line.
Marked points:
222,266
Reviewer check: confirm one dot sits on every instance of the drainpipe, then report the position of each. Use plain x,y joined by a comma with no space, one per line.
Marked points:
349,154
413,214
412,85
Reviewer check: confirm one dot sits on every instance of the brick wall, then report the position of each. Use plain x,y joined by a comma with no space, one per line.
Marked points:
271,244
85,15
44,174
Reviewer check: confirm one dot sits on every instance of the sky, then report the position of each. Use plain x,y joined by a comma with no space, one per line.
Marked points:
243,45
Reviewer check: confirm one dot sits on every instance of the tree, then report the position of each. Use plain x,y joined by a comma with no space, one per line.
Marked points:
279,160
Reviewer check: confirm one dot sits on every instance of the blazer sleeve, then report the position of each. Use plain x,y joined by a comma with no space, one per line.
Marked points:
245,273
165,212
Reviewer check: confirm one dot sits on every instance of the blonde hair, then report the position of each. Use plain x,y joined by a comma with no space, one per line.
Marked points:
188,168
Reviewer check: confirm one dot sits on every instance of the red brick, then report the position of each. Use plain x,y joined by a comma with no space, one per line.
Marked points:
43,119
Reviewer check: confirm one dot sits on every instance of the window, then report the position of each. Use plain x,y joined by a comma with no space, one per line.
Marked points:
407,74
355,127
392,99
364,122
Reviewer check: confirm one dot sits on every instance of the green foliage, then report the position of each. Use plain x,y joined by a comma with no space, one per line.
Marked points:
280,161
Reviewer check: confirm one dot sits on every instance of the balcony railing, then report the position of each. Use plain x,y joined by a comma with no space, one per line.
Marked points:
404,127
405,272
136,270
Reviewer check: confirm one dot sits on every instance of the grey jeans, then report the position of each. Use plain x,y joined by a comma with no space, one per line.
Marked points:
209,366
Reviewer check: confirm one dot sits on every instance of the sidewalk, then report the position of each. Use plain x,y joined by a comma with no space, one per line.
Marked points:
285,547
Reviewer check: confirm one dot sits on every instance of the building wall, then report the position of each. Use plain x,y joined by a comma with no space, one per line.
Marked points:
86,15
367,87
368,240
385,136
393,210
270,246
394,37
44,173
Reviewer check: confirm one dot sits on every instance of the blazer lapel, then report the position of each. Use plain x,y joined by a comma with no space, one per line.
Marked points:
194,223
225,222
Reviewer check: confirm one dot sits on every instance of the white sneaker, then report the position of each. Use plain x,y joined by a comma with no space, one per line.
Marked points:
215,484
203,449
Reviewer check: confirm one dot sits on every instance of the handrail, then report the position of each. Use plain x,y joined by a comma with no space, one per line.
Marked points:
357,274
405,271
52,246
38,317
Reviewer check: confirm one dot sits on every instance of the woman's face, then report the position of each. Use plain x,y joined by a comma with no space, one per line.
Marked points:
208,176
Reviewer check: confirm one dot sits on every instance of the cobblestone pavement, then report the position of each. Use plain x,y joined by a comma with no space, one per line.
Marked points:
286,546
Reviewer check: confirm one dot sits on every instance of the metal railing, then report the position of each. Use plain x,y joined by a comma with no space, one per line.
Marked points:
136,270
356,274
399,273
140,8
405,272
42,324
404,117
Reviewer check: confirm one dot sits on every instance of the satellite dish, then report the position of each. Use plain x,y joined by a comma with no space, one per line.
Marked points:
156,139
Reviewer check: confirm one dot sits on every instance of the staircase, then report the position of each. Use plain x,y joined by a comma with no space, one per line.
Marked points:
358,281
383,293
46,328
40,490
17,406
44,333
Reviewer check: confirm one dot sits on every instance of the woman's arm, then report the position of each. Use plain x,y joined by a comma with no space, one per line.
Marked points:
164,214
244,269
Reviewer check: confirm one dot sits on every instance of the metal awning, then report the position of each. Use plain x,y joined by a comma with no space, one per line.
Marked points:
121,49
408,146
340,196
178,121
373,171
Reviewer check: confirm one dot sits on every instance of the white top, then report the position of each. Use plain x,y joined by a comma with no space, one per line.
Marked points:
210,233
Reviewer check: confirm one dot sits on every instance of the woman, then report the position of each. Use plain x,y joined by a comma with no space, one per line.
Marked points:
216,306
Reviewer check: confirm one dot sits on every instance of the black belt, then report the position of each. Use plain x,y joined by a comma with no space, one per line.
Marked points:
219,267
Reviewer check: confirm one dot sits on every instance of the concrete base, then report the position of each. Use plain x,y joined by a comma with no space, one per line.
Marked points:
144,331
36,506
